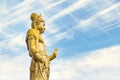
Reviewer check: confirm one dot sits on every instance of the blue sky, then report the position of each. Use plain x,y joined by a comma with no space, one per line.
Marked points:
85,31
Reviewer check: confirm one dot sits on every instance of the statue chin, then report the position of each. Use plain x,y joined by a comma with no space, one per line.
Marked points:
42,31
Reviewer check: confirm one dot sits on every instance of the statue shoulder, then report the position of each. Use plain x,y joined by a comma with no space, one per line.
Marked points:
32,32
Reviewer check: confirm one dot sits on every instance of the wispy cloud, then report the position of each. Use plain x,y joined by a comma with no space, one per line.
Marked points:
14,42
14,67
90,20
84,23
54,4
14,18
101,64
70,9
109,9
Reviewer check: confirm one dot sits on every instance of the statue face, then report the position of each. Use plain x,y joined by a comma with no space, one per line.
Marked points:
40,26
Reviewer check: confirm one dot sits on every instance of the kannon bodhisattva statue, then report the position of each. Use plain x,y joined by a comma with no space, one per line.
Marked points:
40,60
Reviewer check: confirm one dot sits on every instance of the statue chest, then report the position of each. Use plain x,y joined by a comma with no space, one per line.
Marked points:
40,44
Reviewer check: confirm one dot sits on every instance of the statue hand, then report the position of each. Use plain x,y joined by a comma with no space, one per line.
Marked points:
39,57
54,54
55,51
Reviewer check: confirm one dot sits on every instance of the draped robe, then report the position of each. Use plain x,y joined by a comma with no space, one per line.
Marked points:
40,62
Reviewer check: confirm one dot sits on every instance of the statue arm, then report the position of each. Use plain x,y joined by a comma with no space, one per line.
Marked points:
53,55
31,44
32,47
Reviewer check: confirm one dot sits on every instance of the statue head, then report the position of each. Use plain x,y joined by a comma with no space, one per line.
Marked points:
38,22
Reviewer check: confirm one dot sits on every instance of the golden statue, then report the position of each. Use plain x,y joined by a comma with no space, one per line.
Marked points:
40,62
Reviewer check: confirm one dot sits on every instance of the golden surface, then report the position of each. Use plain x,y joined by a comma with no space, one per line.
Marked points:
40,62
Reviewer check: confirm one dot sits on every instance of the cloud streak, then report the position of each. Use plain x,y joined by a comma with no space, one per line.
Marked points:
83,24
54,4
70,9
14,67
101,64
98,14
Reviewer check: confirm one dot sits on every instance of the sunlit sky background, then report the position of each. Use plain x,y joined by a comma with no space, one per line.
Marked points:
87,33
